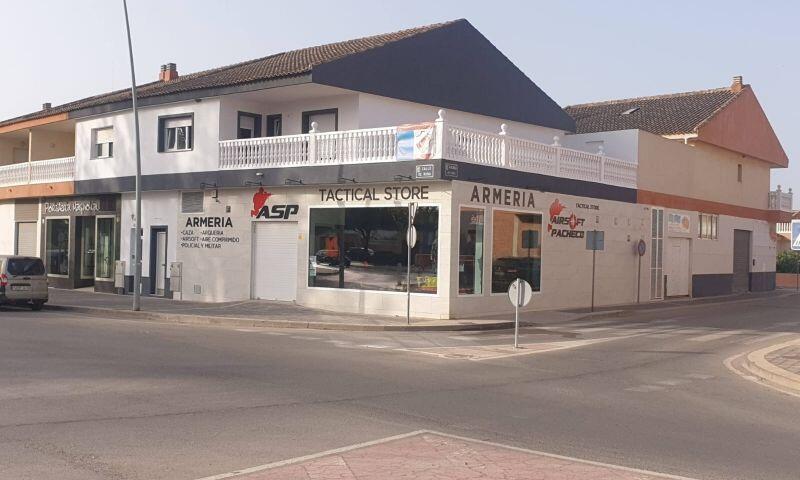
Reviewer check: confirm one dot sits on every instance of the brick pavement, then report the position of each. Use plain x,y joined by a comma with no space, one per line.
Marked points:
433,456
787,358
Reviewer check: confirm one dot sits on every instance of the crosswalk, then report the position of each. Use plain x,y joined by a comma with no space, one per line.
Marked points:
672,330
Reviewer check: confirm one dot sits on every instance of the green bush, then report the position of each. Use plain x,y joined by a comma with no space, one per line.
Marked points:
787,262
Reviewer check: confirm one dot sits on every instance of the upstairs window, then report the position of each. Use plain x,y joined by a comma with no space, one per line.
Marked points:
103,142
326,120
248,125
709,226
274,125
176,134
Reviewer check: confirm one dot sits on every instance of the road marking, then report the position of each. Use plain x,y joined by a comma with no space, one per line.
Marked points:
315,456
768,337
493,352
646,388
673,383
699,376
717,336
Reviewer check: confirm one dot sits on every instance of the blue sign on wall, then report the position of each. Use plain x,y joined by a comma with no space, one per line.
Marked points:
795,234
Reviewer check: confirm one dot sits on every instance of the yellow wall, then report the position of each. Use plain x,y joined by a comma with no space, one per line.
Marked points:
48,144
702,172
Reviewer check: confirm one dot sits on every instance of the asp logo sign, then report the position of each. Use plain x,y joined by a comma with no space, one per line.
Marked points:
262,211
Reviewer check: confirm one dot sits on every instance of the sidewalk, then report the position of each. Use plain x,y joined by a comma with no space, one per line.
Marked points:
777,366
260,313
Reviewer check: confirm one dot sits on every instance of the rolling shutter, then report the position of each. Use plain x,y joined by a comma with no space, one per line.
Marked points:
26,239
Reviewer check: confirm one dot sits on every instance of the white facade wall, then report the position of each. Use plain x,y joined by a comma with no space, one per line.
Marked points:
203,157
158,209
621,144
291,111
375,111
7,227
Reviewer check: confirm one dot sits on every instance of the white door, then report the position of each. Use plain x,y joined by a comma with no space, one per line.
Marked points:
275,261
161,261
677,268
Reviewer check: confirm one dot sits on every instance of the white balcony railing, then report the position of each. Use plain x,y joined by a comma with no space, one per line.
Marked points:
40,171
452,142
780,200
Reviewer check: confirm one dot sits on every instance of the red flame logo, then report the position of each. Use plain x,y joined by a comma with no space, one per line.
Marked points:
259,199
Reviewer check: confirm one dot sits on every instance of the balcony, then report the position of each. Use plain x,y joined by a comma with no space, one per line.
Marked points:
447,141
780,200
38,172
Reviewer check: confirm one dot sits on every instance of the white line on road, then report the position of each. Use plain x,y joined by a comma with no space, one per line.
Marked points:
768,337
357,446
717,336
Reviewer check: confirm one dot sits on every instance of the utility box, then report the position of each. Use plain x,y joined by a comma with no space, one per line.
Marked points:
119,274
176,277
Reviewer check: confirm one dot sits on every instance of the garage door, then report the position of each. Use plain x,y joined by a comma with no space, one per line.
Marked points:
26,239
741,261
275,261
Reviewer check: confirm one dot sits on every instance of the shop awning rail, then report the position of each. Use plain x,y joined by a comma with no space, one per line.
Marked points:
37,172
447,141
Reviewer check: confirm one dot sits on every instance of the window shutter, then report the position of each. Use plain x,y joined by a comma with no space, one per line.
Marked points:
178,122
104,135
192,202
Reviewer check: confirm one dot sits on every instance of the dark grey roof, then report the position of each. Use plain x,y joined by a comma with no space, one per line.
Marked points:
674,114
281,65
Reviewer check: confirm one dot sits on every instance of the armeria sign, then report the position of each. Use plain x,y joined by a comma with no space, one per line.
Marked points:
262,211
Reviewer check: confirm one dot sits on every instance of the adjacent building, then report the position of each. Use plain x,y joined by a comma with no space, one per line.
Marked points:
294,177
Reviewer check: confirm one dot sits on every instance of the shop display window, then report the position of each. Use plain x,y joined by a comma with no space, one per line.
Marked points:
57,246
516,249
470,251
364,248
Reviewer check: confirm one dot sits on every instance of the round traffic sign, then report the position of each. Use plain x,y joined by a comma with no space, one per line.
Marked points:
520,293
641,248
411,236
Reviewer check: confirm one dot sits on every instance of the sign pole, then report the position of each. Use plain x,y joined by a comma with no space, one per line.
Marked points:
594,257
516,313
639,281
412,210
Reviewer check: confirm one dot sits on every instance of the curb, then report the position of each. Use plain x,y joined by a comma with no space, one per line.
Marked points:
210,320
185,319
756,363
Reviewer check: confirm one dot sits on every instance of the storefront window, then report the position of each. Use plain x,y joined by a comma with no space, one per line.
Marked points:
57,246
470,252
86,242
516,249
365,249
105,248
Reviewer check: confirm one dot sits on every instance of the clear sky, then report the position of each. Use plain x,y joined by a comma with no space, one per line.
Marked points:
579,51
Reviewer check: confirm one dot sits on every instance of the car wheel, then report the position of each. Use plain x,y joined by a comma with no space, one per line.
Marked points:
36,305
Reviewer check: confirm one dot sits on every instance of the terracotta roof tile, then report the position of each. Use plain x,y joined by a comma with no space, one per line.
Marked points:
673,114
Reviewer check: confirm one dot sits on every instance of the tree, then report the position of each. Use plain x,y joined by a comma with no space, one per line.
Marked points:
787,262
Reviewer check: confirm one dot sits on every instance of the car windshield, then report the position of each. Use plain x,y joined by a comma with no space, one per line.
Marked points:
25,266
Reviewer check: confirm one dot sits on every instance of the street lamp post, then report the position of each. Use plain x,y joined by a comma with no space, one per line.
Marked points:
137,266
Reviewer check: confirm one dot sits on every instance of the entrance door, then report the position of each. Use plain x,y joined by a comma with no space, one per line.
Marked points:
86,243
274,261
158,260
741,261
678,267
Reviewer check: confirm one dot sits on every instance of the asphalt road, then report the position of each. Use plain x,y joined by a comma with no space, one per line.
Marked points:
90,398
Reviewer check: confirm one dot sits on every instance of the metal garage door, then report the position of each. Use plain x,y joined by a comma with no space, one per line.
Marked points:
275,261
741,261
26,239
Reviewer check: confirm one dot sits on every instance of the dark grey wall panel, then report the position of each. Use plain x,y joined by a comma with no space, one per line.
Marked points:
708,285
762,281
451,67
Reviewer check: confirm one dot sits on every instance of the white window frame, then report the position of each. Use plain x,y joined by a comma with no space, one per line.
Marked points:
164,125
108,151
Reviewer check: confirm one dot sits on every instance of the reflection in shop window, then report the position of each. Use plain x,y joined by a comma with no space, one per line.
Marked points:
365,249
105,248
57,246
516,249
470,252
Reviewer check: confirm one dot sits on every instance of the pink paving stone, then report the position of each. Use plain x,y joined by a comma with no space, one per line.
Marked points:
429,456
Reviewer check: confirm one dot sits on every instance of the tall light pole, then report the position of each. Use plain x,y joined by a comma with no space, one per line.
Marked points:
137,266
